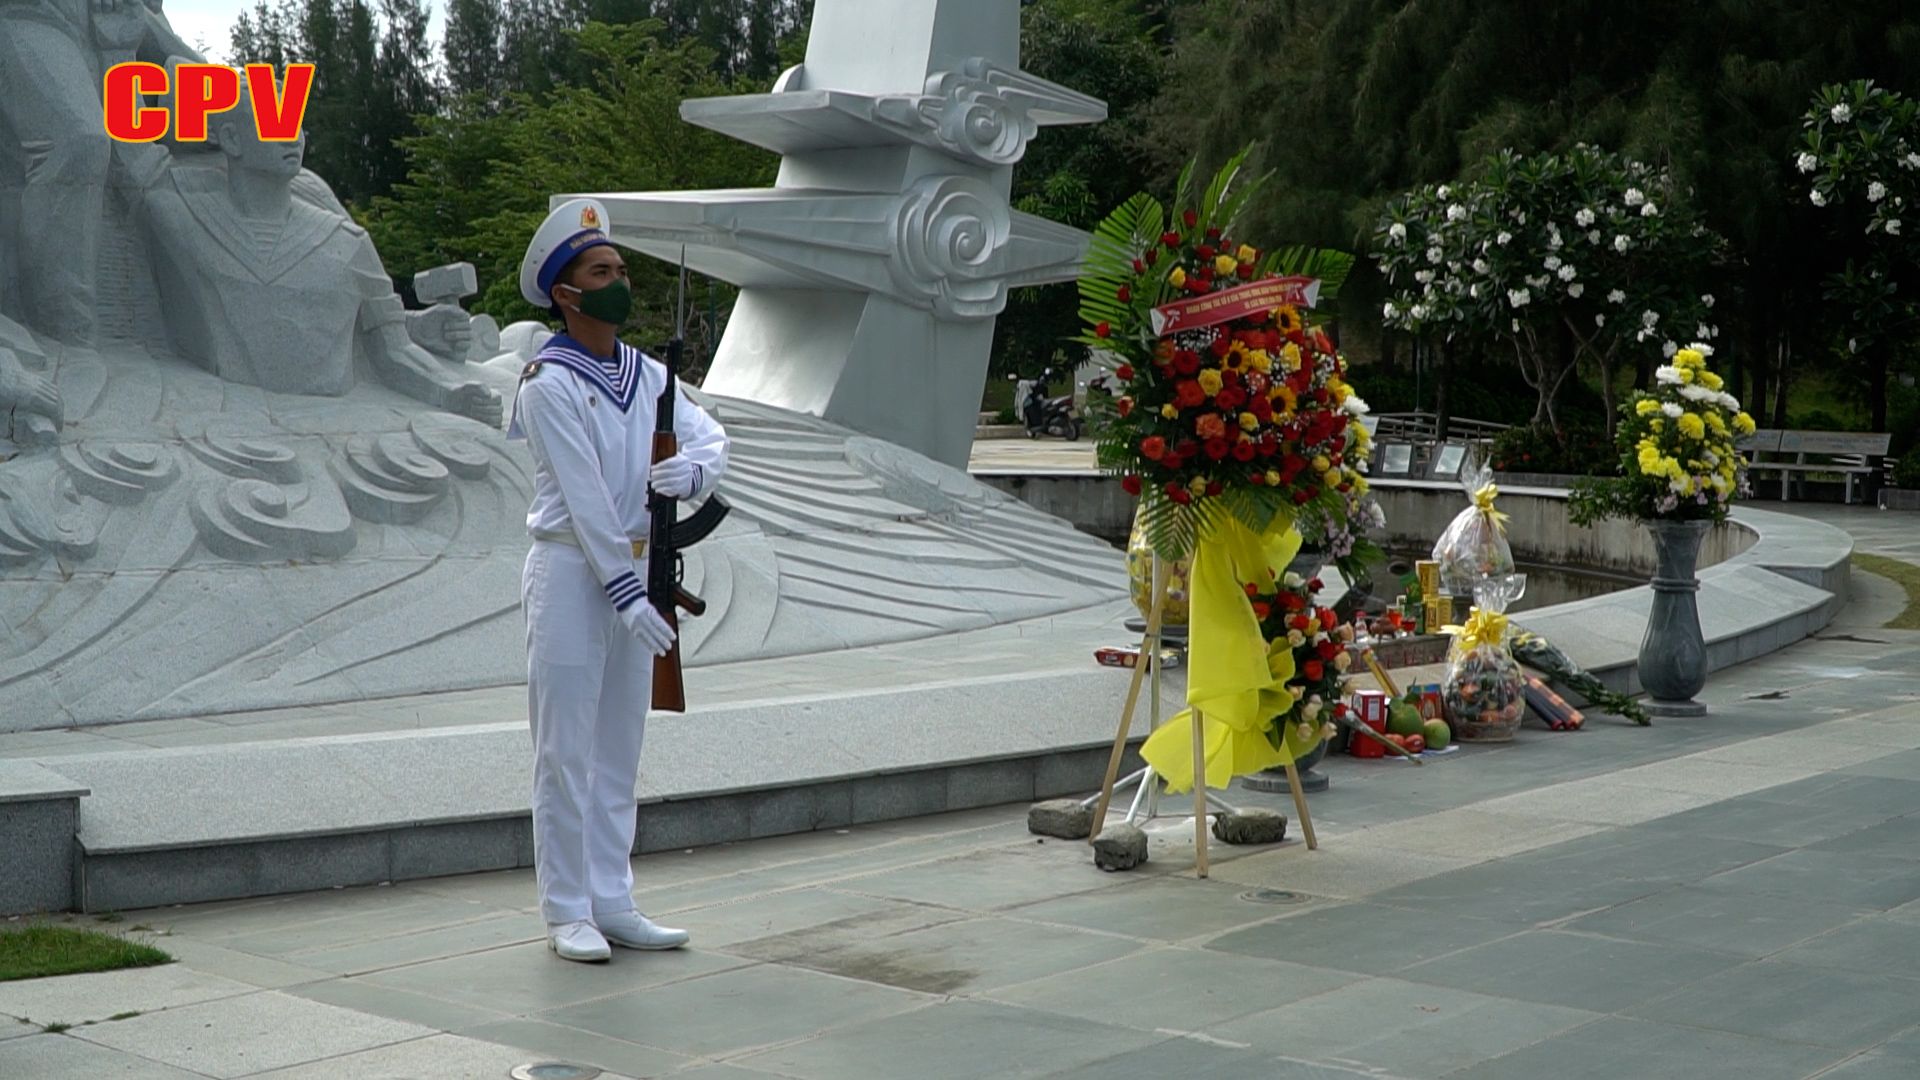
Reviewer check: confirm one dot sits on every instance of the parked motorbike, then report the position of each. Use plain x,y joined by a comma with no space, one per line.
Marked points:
1045,415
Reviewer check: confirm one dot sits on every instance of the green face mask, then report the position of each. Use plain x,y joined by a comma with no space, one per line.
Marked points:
610,303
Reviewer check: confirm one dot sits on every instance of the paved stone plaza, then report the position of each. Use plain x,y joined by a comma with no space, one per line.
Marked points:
1736,896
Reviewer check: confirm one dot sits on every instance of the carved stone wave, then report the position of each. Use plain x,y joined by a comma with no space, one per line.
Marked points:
119,473
390,479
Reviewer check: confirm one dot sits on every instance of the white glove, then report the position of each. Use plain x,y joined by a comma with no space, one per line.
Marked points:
645,623
676,477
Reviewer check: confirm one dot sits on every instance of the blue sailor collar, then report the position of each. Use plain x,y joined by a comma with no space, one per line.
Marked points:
618,378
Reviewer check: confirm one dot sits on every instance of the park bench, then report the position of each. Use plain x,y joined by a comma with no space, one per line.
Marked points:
1848,453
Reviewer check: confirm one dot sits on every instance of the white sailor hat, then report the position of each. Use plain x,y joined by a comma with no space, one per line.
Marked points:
573,227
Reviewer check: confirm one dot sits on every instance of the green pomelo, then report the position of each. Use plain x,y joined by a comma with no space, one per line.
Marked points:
1403,719
1437,734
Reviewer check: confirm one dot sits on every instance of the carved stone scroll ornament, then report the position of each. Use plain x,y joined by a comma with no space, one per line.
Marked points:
256,502
951,235
390,479
119,473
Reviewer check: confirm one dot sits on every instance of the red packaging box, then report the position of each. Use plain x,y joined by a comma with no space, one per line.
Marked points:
1370,707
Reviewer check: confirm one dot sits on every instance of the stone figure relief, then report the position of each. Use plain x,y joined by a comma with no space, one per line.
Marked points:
236,474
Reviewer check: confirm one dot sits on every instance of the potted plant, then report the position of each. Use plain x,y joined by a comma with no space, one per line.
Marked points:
1680,474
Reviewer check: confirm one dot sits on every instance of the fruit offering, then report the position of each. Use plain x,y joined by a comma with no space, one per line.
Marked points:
1438,735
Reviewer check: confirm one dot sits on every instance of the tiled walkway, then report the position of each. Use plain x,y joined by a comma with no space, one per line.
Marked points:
1731,897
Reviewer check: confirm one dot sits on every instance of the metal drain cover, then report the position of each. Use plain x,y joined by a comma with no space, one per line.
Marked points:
1274,896
553,1070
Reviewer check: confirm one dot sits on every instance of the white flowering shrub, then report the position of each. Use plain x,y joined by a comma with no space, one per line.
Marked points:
1607,247
1860,157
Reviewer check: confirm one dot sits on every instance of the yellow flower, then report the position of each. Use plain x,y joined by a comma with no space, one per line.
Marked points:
1210,380
1686,374
1689,358
1656,425
1718,425
1684,483
1283,395
1321,464
1361,440
1290,356
1171,412
1711,381
1742,424
1178,277
1288,318
1646,407
1273,478
1247,254
1198,485
1225,265
1360,486
1692,426
1249,422
1260,360
1313,626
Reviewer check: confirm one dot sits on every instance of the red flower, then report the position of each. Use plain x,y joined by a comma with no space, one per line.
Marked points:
1206,252
1125,295
1321,341
1316,585
1181,496
1243,451
1328,650
1130,484
1139,267
1186,448
1231,398
1213,232
1153,447
1300,497
1216,448
1197,284
1252,590
1153,256
1314,670
1171,239
1102,330
1187,394
1326,617
1340,710
1125,371
1298,622
1220,346
1245,271
1293,601
1190,218
1261,610
1186,362
1124,407
1214,488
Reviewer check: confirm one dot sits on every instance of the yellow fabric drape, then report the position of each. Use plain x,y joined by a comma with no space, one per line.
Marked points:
1231,679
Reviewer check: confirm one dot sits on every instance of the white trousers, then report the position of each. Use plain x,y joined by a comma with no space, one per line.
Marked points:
589,684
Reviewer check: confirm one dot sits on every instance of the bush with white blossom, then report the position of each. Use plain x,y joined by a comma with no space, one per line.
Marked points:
1860,158
1609,248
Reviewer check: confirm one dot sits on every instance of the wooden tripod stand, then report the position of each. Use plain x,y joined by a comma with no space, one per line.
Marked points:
1150,654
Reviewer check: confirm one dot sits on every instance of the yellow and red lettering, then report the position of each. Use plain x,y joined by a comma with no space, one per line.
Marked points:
278,114
125,116
203,89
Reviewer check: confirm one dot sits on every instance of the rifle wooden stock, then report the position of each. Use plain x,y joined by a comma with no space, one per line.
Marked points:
663,592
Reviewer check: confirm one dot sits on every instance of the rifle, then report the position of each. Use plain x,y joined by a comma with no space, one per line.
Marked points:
669,535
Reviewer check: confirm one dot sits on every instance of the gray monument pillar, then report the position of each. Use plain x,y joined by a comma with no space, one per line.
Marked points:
872,271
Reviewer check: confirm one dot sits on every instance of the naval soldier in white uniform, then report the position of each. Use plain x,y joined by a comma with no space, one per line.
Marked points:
586,407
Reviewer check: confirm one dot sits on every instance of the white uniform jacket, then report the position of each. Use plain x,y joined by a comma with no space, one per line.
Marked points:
590,424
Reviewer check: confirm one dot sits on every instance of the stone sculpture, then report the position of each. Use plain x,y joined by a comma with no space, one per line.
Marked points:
871,273
202,513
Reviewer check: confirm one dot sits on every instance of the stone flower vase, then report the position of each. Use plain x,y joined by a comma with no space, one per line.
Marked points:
1673,656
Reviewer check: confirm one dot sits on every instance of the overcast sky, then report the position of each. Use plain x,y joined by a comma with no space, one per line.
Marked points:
210,22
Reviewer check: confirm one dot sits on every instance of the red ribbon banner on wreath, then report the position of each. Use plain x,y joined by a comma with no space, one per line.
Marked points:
1239,302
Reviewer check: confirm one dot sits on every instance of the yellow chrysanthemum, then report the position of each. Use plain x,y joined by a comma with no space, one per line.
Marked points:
1225,265
1361,439
1742,424
1171,412
1692,426
1249,422
1711,381
1689,358
1178,277
1360,486
1687,374
1646,407
1718,425
1656,425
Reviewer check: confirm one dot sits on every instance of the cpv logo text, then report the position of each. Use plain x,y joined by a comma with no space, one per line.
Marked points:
200,91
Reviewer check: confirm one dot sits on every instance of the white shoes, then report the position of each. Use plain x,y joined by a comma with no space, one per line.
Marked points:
632,930
578,941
